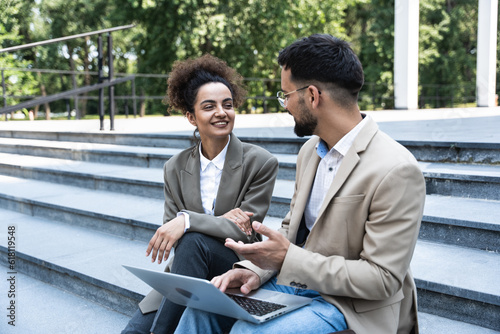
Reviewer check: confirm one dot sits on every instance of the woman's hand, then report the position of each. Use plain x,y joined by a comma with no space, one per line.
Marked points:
165,237
240,218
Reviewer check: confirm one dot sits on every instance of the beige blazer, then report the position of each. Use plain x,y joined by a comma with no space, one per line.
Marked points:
247,182
358,252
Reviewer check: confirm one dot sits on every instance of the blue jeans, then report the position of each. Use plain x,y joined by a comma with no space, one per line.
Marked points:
196,255
317,317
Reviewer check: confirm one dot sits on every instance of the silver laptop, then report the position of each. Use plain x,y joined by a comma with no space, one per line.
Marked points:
258,306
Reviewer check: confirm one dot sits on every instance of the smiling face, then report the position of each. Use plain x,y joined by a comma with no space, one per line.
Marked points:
213,112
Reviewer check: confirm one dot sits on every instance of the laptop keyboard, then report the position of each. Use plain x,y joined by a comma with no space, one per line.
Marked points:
255,306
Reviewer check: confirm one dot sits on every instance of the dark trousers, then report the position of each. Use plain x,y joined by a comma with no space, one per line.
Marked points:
196,255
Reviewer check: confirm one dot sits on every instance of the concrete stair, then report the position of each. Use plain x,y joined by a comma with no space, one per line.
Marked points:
47,309
84,204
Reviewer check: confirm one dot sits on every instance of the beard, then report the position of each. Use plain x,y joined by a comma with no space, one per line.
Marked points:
306,125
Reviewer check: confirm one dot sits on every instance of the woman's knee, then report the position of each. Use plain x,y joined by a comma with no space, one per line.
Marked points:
190,240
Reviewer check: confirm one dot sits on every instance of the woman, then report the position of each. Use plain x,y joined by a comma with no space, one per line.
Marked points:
212,190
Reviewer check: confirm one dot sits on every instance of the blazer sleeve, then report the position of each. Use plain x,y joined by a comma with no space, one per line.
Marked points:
170,207
391,232
256,198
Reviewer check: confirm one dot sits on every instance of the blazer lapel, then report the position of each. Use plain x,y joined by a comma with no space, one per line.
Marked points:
190,180
349,162
231,178
303,189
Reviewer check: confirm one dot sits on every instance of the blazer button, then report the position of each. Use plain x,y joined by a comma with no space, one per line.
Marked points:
293,284
303,286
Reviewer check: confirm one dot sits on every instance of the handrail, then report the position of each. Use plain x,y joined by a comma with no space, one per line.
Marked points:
58,96
60,39
109,78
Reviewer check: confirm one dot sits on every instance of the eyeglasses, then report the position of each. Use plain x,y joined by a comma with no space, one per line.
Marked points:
283,98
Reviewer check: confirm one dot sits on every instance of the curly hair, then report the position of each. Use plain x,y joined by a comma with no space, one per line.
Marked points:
189,75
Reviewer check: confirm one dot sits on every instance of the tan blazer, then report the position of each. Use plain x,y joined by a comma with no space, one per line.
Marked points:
358,252
247,182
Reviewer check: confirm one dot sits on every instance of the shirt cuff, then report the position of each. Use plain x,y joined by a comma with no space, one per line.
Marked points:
187,224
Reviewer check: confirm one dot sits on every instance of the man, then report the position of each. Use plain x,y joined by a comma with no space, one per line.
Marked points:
354,217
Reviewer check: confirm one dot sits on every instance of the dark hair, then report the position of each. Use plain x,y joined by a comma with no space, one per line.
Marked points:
188,76
324,58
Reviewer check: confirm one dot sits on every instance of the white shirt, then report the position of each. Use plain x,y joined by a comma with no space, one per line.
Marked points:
327,169
210,175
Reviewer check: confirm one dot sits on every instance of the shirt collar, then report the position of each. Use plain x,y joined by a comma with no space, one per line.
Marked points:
218,161
344,144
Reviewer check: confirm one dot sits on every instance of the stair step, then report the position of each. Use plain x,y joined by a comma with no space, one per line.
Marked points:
433,324
477,181
458,283
454,152
139,181
283,145
139,156
461,221
126,215
44,308
128,139
462,180
467,222
80,260
121,214
282,140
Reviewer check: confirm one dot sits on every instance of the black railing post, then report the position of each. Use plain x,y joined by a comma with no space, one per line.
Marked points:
452,96
75,86
264,100
437,97
374,103
63,87
100,79
4,94
134,100
111,88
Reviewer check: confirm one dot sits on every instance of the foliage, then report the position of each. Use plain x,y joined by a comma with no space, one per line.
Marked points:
246,33
447,56
372,28
13,26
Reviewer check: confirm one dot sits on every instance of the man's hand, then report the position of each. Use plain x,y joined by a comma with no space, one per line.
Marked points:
244,279
268,254
165,237
240,218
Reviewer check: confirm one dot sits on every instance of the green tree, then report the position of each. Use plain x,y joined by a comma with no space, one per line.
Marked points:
14,24
447,53
248,34
75,54
370,25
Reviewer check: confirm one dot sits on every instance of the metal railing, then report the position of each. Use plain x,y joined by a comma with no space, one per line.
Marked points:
59,96
101,78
